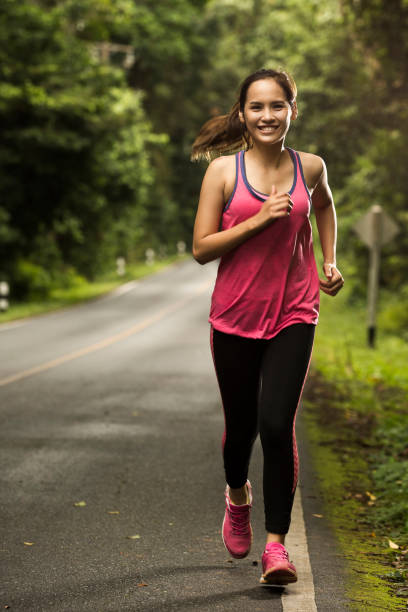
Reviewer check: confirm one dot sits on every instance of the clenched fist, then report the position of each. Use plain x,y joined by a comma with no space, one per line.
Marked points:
335,280
275,206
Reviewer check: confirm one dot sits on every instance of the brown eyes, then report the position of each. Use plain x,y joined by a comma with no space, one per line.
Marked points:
260,107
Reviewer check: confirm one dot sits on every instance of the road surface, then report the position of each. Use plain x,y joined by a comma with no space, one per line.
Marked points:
111,473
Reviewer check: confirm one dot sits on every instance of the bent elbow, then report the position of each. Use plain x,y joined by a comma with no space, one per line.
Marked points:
201,260
199,256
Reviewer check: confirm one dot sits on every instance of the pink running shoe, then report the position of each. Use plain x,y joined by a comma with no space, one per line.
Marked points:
236,528
277,569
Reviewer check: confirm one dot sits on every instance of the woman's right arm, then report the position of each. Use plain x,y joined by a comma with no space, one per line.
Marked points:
208,242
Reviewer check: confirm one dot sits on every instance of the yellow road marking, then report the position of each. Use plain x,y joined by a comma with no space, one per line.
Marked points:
106,342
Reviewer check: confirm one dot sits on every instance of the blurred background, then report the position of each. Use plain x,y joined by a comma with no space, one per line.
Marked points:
100,101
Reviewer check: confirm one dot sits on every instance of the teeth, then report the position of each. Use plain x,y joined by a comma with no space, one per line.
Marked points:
267,129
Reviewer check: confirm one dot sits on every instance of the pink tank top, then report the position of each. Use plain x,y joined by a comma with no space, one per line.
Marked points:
269,281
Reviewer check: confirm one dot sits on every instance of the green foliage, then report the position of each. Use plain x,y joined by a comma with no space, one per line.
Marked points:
379,177
75,148
349,62
391,473
393,318
96,138
30,280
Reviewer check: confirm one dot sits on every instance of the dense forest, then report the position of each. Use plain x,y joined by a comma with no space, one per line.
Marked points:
100,101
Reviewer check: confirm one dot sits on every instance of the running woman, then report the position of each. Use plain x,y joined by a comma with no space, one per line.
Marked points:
253,213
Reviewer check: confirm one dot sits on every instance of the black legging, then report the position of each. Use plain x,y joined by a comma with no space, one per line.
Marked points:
261,383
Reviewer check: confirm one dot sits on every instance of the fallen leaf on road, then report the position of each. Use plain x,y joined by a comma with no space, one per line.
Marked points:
113,511
29,543
392,544
318,515
134,537
80,504
142,584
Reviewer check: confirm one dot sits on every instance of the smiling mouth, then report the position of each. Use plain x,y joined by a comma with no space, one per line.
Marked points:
267,129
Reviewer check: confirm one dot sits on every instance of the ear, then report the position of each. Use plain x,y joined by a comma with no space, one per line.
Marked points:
294,111
241,117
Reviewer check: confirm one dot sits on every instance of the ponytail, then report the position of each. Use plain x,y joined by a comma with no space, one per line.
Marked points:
219,135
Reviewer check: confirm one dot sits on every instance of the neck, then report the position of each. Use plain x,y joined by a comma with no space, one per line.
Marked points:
267,155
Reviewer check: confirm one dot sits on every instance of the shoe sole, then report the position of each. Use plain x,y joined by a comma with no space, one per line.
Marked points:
235,556
278,577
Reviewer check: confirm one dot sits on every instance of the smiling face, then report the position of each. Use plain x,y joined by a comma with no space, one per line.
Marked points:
267,112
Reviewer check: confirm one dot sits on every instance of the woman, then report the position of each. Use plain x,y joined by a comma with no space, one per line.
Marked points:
265,303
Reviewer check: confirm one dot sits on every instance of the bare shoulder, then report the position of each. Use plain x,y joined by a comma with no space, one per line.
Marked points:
313,168
222,165
222,171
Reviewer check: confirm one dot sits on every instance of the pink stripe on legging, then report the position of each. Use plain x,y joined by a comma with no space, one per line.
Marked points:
295,451
212,353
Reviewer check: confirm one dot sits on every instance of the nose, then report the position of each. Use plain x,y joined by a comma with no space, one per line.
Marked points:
268,114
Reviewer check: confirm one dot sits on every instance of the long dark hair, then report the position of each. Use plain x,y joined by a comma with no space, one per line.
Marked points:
225,133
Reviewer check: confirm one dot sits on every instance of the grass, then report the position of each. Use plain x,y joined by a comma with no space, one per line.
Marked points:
357,419
84,291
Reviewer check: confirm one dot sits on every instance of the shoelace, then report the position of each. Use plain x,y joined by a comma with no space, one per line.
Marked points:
278,553
239,523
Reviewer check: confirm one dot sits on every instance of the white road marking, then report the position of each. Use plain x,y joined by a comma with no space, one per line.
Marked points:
7,326
121,290
299,596
107,341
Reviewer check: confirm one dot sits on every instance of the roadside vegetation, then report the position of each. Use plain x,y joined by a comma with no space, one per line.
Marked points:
356,410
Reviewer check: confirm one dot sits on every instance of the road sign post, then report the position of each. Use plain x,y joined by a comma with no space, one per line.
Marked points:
375,228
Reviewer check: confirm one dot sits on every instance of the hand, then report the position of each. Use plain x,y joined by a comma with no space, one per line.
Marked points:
335,280
275,206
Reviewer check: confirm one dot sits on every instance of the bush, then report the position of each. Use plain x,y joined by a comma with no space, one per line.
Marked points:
393,317
66,278
30,281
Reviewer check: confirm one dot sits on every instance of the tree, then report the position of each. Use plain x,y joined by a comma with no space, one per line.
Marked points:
74,152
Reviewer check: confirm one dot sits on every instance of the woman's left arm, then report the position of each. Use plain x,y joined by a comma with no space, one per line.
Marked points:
326,221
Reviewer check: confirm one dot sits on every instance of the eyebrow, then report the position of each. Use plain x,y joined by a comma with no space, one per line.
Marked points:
273,102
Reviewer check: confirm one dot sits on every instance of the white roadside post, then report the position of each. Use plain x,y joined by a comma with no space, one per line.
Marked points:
4,292
121,266
181,248
149,254
375,228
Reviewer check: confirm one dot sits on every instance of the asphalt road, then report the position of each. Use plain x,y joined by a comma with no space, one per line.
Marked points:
115,404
